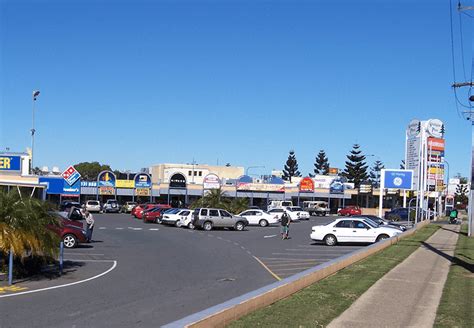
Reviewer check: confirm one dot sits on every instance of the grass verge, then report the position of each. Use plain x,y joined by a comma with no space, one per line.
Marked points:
320,303
456,308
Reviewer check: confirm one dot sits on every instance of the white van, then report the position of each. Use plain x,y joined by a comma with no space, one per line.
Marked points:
317,207
279,204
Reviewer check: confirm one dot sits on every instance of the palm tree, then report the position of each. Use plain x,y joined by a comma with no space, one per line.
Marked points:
216,198
24,226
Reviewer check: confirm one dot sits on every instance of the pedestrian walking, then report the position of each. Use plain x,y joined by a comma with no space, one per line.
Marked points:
90,225
285,225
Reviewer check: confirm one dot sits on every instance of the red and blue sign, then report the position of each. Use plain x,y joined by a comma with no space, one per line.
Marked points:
71,175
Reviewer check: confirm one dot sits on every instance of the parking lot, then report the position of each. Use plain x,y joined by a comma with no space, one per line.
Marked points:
162,273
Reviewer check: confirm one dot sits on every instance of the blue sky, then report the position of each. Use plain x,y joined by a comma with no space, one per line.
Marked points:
134,83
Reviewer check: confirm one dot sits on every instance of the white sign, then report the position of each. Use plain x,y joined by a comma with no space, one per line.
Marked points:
211,181
434,128
413,157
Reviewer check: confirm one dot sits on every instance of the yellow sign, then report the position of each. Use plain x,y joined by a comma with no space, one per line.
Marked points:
106,191
142,192
125,184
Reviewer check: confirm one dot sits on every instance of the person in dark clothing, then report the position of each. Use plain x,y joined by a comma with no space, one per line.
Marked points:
285,225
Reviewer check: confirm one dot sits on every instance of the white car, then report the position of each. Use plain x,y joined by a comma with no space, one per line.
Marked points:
93,206
296,213
174,218
260,217
187,220
353,231
277,212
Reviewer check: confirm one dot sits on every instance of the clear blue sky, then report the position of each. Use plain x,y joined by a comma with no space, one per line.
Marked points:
134,83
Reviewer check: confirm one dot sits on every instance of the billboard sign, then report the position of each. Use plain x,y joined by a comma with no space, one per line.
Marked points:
71,175
337,186
58,186
126,184
106,191
307,185
142,180
106,179
211,181
263,187
397,179
177,180
10,163
436,144
142,192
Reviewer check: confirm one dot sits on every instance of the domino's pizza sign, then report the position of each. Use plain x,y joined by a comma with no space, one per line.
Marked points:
71,175
397,179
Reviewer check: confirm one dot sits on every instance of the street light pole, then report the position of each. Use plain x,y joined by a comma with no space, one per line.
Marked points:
35,95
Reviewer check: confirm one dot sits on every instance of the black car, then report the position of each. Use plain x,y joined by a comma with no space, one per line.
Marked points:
397,214
383,222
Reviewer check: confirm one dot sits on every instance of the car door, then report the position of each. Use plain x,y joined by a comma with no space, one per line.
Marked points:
362,233
342,230
227,219
215,218
250,216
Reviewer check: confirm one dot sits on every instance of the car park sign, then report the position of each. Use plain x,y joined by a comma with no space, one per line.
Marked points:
71,175
397,179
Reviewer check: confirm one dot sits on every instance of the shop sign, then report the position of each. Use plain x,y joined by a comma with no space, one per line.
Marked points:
435,144
397,179
71,175
127,184
142,192
435,128
365,188
263,187
106,179
10,163
336,186
142,180
307,185
89,184
177,180
211,181
106,191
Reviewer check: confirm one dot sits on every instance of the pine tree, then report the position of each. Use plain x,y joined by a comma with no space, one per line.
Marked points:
291,167
375,173
321,164
356,168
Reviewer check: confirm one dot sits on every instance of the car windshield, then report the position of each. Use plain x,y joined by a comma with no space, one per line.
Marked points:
371,223
297,208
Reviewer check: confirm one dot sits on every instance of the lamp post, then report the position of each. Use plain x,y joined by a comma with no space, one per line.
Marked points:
35,95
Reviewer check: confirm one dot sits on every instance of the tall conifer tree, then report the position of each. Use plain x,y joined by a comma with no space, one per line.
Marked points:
291,167
356,167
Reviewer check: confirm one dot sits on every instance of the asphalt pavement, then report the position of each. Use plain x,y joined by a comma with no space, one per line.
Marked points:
154,274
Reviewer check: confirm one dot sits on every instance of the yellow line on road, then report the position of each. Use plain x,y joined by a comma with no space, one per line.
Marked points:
271,272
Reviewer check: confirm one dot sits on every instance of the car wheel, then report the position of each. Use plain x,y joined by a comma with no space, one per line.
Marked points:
178,224
330,240
207,226
191,226
239,226
263,223
382,237
70,241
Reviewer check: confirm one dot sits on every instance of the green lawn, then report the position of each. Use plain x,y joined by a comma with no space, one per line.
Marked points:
456,308
320,303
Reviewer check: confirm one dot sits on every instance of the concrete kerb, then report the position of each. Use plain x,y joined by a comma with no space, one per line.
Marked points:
222,314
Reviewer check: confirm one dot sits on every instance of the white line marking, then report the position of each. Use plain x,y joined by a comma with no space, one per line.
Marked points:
67,285
72,253
153,229
270,236
236,244
119,228
137,229
219,238
102,228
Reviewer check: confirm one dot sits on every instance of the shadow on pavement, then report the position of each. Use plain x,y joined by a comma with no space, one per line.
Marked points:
453,259
51,272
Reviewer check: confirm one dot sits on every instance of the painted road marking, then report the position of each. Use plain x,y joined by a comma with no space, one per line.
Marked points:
153,229
70,284
102,228
119,228
270,236
267,268
11,289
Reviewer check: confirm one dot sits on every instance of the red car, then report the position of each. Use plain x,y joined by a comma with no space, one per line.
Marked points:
154,214
137,211
70,233
349,210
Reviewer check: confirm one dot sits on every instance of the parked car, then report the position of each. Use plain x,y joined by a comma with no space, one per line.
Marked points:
69,232
353,230
174,217
127,207
74,217
318,207
93,206
154,214
296,213
209,218
383,222
279,204
111,206
67,204
349,210
260,217
140,209
187,221
277,212
397,214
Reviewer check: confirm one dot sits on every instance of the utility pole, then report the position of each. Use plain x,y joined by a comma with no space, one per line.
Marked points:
35,95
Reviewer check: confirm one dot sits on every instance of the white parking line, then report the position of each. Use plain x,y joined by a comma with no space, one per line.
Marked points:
70,284
153,229
270,236
119,228
102,228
